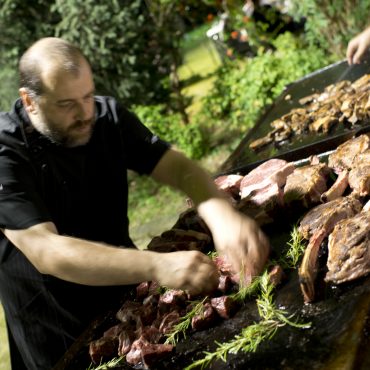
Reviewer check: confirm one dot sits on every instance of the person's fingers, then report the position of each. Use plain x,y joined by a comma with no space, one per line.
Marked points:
204,279
351,49
358,54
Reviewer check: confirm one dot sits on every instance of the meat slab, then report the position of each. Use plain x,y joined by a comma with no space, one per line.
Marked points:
349,249
344,156
306,185
359,176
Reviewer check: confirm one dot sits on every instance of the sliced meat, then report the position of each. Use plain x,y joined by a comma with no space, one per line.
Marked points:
261,190
168,322
146,354
349,249
172,299
276,275
328,214
258,213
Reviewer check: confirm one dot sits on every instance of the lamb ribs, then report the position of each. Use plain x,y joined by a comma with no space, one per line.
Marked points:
351,162
318,223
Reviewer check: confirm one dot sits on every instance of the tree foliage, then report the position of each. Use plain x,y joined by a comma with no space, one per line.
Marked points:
133,45
330,24
120,40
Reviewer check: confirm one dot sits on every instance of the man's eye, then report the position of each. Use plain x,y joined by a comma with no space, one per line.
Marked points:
65,105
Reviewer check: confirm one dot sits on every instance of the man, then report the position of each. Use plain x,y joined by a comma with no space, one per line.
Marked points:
358,46
64,154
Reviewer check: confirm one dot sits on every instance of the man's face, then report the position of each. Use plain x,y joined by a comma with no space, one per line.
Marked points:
65,112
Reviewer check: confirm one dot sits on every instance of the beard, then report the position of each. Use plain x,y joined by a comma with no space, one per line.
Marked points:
78,134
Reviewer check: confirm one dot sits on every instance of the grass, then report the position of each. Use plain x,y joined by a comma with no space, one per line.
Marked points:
4,349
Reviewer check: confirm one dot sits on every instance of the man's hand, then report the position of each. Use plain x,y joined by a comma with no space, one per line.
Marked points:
236,236
191,271
358,46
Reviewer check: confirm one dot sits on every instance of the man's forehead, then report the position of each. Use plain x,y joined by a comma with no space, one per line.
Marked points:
57,81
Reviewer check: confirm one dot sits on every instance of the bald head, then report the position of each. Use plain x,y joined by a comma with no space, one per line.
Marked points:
48,55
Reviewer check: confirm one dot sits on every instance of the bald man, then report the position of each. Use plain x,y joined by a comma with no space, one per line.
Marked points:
66,254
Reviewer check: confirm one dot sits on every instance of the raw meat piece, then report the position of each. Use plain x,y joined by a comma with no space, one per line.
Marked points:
225,306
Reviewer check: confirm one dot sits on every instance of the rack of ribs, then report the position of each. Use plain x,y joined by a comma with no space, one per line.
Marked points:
316,225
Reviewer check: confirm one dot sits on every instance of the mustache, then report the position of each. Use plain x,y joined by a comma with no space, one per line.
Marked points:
78,124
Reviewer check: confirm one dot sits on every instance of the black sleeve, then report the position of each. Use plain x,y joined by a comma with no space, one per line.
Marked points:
20,203
143,148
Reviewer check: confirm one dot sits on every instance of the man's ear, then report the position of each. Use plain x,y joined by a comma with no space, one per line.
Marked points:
28,103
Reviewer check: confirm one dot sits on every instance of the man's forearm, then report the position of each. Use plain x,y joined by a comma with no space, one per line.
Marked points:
91,263
187,176
82,261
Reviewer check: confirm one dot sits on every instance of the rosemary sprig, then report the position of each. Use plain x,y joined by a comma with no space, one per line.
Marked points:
248,341
296,249
245,292
107,365
185,321
251,336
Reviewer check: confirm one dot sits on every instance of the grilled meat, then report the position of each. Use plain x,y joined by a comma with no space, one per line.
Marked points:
359,176
343,102
316,226
349,249
344,156
306,185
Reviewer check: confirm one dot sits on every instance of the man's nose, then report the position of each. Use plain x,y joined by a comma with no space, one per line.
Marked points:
83,111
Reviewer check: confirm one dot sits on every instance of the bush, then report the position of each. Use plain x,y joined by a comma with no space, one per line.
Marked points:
169,126
242,92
